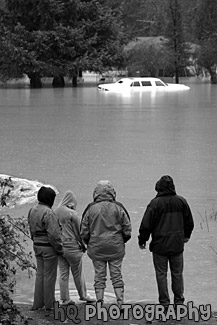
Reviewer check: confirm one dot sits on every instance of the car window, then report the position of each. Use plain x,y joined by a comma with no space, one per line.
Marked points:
120,82
135,84
146,83
159,83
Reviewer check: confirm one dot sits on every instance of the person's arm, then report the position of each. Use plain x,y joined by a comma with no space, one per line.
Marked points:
188,222
84,227
146,227
126,225
53,230
76,228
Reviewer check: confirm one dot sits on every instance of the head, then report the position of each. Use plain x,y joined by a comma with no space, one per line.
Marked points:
165,185
69,200
104,188
46,195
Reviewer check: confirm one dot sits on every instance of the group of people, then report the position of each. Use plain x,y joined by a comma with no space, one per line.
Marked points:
61,238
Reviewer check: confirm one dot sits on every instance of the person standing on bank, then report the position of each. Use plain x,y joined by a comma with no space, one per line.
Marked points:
47,244
168,219
73,247
105,228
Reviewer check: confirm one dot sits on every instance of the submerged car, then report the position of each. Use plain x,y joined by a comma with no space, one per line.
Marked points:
140,84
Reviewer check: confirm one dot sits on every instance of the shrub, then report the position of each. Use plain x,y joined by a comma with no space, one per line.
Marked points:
14,234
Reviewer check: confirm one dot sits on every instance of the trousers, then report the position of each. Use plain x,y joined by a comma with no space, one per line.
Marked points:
46,274
71,260
100,268
175,263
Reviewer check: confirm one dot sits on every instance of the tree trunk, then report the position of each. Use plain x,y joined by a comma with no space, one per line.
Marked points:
213,78
74,81
176,73
35,81
58,81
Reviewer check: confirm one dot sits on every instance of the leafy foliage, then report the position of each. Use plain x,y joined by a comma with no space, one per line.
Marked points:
206,24
207,57
6,185
206,19
51,38
13,257
58,37
165,18
148,57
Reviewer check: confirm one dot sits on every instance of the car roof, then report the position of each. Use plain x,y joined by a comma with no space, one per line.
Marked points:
140,78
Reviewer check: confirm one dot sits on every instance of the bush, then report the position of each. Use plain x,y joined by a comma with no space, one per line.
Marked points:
14,234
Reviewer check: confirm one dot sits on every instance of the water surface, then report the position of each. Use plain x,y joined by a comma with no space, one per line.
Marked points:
72,138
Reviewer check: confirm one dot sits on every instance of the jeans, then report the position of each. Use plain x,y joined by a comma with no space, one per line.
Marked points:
47,261
71,260
100,268
176,268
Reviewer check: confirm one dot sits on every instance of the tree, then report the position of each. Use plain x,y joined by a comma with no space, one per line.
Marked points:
148,57
56,37
174,32
172,19
207,57
206,27
141,18
189,16
206,20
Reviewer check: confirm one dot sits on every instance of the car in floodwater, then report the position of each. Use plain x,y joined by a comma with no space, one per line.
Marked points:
141,84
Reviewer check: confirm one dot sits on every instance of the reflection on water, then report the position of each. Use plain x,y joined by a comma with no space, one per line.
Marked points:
71,138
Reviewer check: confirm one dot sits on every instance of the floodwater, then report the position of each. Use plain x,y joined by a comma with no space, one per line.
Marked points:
71,138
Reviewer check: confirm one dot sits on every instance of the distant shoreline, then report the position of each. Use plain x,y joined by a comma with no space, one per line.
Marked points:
88,80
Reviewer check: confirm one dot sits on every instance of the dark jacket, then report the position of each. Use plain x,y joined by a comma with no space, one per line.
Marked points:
105,226
168,220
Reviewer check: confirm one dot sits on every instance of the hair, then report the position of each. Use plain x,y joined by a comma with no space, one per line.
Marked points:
46,195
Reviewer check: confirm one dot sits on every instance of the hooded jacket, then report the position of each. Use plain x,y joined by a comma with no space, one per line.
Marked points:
70,222
105,225
44,228
167,219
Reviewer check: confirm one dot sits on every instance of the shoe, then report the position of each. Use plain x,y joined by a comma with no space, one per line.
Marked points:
68,302
88,298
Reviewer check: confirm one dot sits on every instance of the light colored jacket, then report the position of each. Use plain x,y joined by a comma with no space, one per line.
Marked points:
69,221
105,225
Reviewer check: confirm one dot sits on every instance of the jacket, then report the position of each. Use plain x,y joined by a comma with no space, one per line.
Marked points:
168,219
70,222
105,225
43,224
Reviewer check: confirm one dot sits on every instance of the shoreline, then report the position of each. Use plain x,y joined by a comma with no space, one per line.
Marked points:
90,81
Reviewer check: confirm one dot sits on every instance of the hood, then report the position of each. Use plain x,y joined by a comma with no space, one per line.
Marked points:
69,199
104,191
46,195
165,185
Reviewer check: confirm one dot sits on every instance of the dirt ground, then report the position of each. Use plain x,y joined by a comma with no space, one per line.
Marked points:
79,316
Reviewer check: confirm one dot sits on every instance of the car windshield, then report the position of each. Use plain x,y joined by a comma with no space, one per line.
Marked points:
159,83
